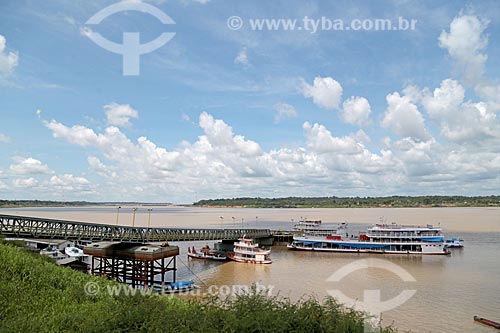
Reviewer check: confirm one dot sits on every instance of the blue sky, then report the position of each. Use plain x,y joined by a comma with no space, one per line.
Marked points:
218,112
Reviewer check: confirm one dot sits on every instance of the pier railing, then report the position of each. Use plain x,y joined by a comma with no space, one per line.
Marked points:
34,227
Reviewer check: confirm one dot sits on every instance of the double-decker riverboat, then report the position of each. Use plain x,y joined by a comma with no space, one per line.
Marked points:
246,250
316,228
381,238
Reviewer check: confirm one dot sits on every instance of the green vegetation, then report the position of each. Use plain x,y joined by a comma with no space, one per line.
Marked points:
42,203
38,296
336,202
50,203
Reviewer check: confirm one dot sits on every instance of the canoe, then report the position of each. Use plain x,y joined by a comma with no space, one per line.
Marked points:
487,322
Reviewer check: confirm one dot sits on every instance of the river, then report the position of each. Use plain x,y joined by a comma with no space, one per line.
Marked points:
449,290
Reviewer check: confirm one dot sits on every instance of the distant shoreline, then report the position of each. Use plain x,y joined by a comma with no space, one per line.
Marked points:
289,202
360,207
353,202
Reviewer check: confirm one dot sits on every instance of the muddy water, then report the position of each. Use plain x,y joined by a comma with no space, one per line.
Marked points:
450,290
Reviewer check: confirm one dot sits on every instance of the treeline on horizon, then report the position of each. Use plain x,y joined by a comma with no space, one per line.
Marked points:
52,203
346,202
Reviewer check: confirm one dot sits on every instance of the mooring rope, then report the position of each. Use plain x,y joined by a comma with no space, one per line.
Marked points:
193,272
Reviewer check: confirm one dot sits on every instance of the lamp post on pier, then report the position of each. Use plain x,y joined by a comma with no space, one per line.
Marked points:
117,213
133,217
149,216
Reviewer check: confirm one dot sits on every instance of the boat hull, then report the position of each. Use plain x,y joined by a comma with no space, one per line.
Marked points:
248,261
441,251
206,257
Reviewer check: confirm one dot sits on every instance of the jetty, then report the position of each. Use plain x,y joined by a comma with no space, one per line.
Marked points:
42,228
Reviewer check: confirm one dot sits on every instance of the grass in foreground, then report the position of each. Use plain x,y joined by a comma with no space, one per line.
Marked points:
38,296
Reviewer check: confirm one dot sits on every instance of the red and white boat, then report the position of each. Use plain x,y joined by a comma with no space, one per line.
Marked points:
206,253
247,251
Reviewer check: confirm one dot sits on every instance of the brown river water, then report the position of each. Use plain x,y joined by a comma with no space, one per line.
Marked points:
450,290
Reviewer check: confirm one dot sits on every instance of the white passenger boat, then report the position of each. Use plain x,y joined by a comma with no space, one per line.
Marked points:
380,238
72,251
454,242
316,228
53,252
246,250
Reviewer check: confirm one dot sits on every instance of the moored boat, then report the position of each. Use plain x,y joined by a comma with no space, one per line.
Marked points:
206,253
247,251
381,238
53,252
454,242
73,251
316,228
179,287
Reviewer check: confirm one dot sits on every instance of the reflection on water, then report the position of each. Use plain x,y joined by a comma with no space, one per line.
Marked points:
450,289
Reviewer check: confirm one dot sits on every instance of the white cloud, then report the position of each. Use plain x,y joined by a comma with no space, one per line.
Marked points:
4,138
464,43
356,111
77,134
284,111
223,163
320,140
242,57
119,114
8,60
29,166
24,182
325,92
403,118
68,182
71,21
219,134
460,120
100,168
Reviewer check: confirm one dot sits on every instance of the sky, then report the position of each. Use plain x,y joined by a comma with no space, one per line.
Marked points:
232,105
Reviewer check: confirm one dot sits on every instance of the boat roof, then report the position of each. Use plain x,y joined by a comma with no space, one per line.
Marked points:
401,227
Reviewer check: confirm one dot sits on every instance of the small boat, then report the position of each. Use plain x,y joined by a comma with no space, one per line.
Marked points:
454,242
181,286
487,322
247,251
53,252
206,253
72,251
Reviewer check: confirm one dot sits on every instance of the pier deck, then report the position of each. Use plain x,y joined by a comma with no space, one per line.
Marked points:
34,227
